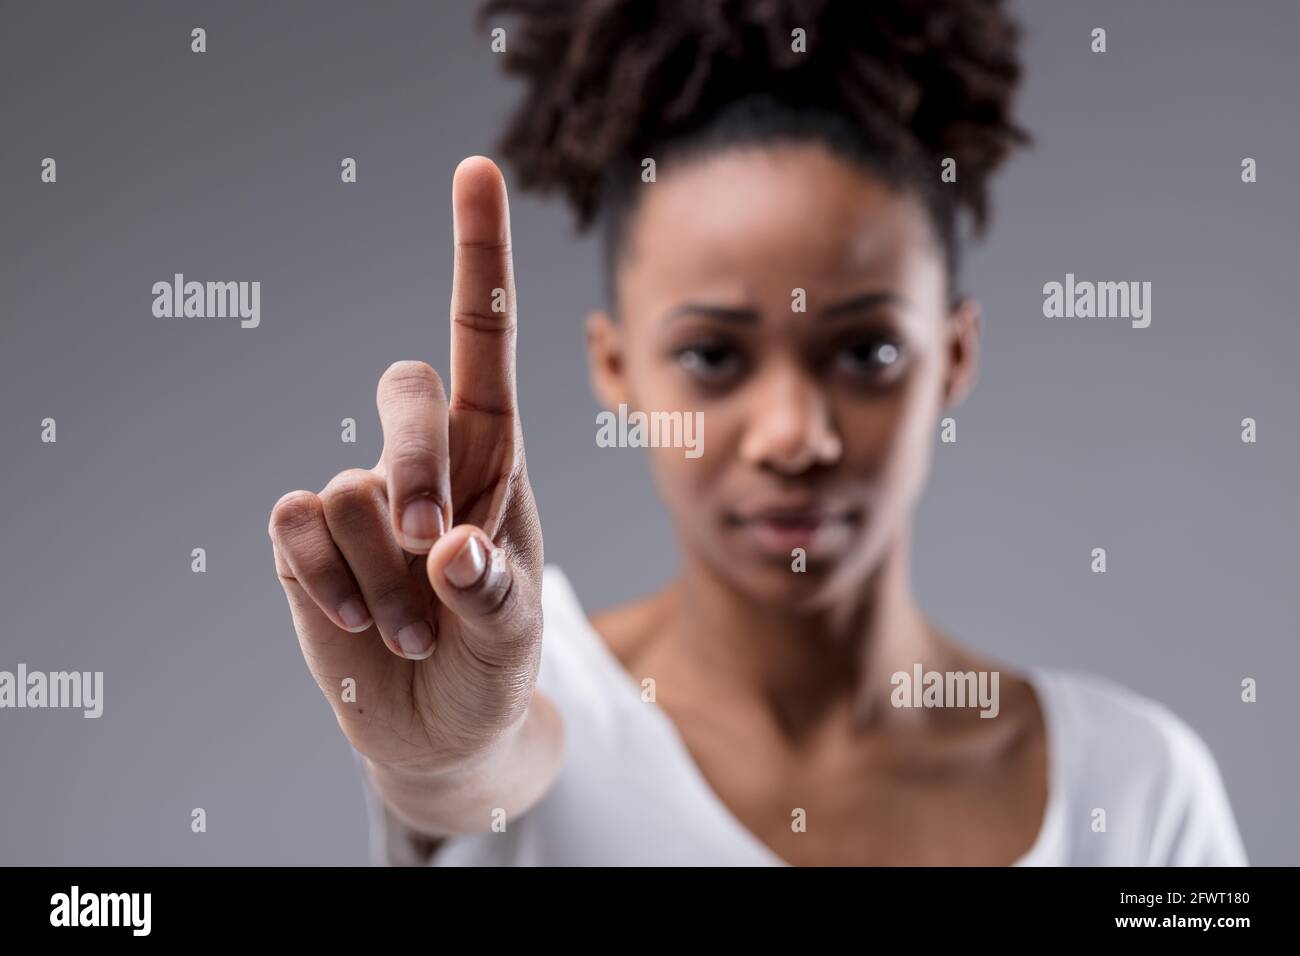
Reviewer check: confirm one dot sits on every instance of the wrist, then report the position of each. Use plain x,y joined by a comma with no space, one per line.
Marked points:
509,775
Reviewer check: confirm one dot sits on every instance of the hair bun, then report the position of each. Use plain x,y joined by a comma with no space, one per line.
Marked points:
607,79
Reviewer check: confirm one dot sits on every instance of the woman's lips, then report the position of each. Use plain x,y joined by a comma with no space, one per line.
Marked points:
778,533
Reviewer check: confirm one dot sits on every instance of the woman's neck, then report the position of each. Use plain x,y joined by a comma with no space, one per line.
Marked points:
803,665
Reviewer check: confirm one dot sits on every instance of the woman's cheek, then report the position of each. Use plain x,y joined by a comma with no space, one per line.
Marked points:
684,481
906,445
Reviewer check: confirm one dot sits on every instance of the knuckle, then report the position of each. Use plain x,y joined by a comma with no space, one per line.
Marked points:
489,256
415,453
498,595
507,600
516,627
351,491
411,378
319,565
391,591
494,244
294,511
502,324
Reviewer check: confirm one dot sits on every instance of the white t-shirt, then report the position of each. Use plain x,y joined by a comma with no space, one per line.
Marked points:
629,793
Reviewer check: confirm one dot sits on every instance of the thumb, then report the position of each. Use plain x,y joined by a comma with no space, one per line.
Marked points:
496,605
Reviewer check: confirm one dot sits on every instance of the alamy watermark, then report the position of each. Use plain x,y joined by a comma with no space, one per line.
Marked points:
179,299
1100,300
82,690
923,688
651,430
75,908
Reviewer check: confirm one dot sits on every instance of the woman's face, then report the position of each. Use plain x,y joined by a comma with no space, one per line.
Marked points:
819,408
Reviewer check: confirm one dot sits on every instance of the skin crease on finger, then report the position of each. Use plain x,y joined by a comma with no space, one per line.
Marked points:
777,680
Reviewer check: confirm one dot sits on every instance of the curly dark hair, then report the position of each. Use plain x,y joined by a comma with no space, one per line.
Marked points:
896,85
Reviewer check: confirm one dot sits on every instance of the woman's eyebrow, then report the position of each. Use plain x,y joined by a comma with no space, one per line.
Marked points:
864,302
723,312
861,303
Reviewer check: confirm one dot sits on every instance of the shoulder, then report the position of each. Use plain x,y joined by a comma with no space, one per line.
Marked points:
1151,773
1125,726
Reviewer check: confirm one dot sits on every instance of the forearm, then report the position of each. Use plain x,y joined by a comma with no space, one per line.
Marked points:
512,777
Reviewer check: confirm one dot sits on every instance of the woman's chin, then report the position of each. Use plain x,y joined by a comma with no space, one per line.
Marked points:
793,585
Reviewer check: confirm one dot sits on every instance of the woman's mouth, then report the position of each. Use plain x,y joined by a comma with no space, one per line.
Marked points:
778,531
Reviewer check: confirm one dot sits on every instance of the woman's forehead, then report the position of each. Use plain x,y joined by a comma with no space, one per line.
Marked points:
793,215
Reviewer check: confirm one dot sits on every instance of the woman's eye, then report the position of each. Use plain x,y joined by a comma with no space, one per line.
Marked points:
875,359
709,363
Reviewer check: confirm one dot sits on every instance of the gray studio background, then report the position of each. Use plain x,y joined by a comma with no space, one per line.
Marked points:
175,434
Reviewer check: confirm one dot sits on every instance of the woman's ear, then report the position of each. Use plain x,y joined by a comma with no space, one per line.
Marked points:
605,359
964,330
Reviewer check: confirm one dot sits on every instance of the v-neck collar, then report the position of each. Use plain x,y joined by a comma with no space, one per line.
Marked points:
1039,680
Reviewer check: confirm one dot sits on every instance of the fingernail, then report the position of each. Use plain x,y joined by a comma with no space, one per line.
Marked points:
467,567
416,640
354,615
421,524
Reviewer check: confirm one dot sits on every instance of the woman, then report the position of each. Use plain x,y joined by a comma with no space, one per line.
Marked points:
785,268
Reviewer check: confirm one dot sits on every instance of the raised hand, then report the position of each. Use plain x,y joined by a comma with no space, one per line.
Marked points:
421,577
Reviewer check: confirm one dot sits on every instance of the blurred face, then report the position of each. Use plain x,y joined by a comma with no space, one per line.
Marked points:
799,304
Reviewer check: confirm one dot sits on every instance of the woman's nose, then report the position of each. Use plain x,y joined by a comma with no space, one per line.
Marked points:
791,428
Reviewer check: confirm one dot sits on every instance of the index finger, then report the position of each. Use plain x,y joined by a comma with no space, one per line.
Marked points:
483,319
